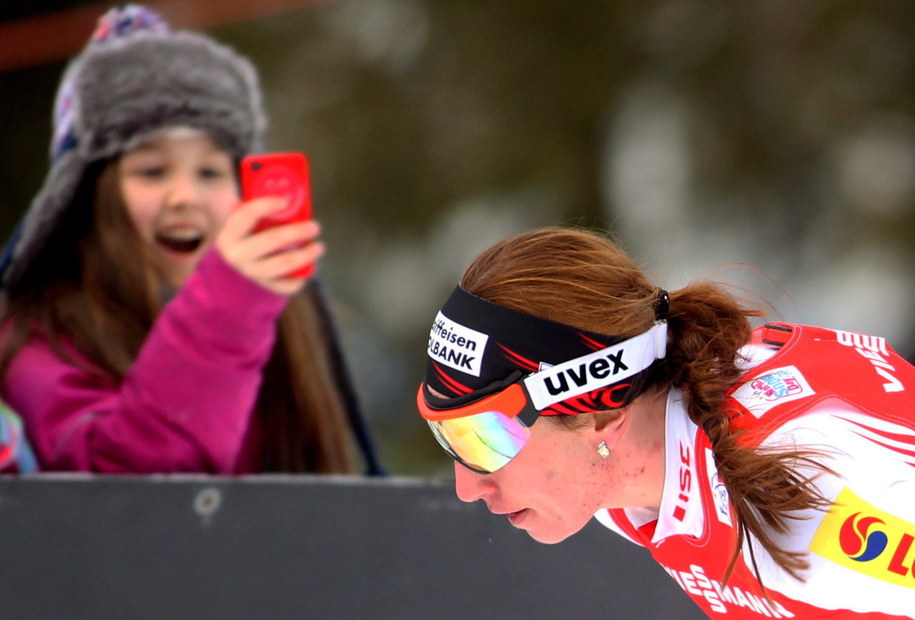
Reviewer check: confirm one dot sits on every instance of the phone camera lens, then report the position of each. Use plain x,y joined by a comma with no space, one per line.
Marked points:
256,166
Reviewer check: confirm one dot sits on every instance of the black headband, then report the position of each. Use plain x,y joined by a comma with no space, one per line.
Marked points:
475,343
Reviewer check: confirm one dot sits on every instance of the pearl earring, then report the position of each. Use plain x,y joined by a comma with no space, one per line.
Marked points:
603,450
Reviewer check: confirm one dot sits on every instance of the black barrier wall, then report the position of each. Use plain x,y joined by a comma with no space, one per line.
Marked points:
302,547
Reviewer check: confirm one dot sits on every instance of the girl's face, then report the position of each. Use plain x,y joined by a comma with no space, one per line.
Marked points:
178,190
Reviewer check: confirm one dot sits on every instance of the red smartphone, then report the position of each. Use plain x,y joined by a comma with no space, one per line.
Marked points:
284,175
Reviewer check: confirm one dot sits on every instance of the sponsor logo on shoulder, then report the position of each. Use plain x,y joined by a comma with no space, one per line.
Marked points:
859,536
873,348
456,346
777,386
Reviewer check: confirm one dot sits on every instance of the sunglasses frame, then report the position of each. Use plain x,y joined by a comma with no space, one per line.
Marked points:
523,417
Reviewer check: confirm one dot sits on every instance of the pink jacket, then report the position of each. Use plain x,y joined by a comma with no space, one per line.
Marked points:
184,406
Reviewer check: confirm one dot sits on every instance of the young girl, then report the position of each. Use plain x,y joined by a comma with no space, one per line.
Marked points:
769,471
147,328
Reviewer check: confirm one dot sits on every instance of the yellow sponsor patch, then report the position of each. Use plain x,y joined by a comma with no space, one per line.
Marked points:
868,540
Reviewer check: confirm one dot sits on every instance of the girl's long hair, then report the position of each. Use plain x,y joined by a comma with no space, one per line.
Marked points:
581,279
89,289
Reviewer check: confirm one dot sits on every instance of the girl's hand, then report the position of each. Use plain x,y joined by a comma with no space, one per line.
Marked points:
268,256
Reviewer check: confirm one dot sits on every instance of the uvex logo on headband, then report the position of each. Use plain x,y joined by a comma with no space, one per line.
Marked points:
598,369
475,343
456,346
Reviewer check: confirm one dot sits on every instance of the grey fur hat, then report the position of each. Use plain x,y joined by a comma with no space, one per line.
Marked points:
134,78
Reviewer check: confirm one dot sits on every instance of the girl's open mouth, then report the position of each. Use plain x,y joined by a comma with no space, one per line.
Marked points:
182,242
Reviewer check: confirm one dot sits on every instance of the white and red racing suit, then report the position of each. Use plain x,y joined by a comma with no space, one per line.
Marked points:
846,396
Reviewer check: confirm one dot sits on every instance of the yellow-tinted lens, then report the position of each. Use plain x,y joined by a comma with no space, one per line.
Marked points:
484,442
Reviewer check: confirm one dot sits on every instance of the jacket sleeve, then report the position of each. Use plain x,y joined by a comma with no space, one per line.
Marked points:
185,404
